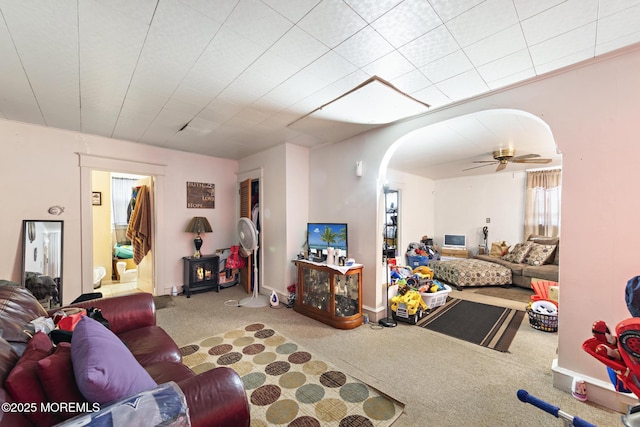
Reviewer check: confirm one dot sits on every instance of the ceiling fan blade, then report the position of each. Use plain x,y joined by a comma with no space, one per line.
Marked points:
481,166
501,166
484,161
524,156
539,161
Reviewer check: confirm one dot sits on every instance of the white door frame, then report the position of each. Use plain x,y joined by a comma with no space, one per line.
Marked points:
88,163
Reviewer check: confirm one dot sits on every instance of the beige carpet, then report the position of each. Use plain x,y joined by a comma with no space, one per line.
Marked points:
442,381
287,385
512,293
163,301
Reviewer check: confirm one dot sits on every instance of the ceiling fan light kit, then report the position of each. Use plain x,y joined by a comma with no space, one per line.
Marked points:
504,156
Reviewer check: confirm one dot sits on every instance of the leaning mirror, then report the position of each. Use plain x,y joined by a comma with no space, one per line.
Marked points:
42,260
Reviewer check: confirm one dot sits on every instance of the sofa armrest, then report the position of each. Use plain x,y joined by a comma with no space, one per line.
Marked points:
126,312
216,398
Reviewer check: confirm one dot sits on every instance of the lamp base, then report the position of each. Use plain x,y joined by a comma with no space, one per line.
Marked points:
197,242
388,322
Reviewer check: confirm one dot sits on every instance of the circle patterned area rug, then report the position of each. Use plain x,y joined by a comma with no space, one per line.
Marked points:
289,386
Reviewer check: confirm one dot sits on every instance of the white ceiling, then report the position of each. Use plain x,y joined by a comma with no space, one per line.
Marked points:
240,71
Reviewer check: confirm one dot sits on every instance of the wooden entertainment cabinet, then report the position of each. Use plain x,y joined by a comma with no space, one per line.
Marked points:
329,293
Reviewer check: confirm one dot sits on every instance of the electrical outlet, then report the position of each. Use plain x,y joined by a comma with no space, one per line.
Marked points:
488,220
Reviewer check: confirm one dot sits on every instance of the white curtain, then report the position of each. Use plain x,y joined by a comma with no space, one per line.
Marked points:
542,205
120,199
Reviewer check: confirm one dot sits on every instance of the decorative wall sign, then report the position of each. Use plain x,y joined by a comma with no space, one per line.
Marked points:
201,195
96,198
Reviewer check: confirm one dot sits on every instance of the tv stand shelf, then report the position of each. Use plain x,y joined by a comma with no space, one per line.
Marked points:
453,253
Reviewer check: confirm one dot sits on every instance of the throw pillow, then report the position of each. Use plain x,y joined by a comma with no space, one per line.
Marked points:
519,252
23,384
539,254
104,368
56,376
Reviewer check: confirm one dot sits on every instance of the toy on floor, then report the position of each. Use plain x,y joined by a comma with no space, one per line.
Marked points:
408,305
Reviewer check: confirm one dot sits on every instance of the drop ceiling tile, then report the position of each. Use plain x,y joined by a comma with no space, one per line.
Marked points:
576,56
511,79
132,127
447,67
190,108
17,101
558,20
110,45
430,47
364,47
258,22
482,21
332,22
527,8
228,55
506,66
432,96
618,43
463,86
265,74
330,67
328,93
407,21
299,48
389,66
292,10
618,29
218,10
411,82
97,122
606,8
291,91
448,9
219,111
499,45
578,40
370,10
51,63
176,39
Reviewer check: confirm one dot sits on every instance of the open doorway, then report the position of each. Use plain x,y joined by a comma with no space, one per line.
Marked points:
116,270
250,208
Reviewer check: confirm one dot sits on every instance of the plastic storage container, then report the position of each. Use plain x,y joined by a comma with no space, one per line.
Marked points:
416,261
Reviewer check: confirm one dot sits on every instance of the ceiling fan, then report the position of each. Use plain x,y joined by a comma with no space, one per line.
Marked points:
504,156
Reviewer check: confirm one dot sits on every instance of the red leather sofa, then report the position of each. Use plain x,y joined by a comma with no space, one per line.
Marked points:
215,398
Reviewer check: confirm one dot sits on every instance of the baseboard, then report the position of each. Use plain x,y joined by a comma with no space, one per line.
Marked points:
600,392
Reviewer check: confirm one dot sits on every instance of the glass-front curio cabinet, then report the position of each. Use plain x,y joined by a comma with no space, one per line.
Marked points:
330,294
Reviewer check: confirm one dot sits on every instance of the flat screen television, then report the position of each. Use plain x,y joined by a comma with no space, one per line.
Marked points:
456,241
321,235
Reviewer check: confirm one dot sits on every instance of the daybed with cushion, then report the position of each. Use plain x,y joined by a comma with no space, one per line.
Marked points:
536,258
470,272
102,365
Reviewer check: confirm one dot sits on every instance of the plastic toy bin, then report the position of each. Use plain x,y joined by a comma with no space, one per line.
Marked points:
436,299
416,261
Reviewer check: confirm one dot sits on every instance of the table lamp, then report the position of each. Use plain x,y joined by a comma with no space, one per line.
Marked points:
198,224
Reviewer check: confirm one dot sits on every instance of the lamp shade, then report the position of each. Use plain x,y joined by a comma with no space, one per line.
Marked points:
199,224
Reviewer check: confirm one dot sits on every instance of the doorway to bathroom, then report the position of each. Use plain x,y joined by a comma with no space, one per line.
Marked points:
114,196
